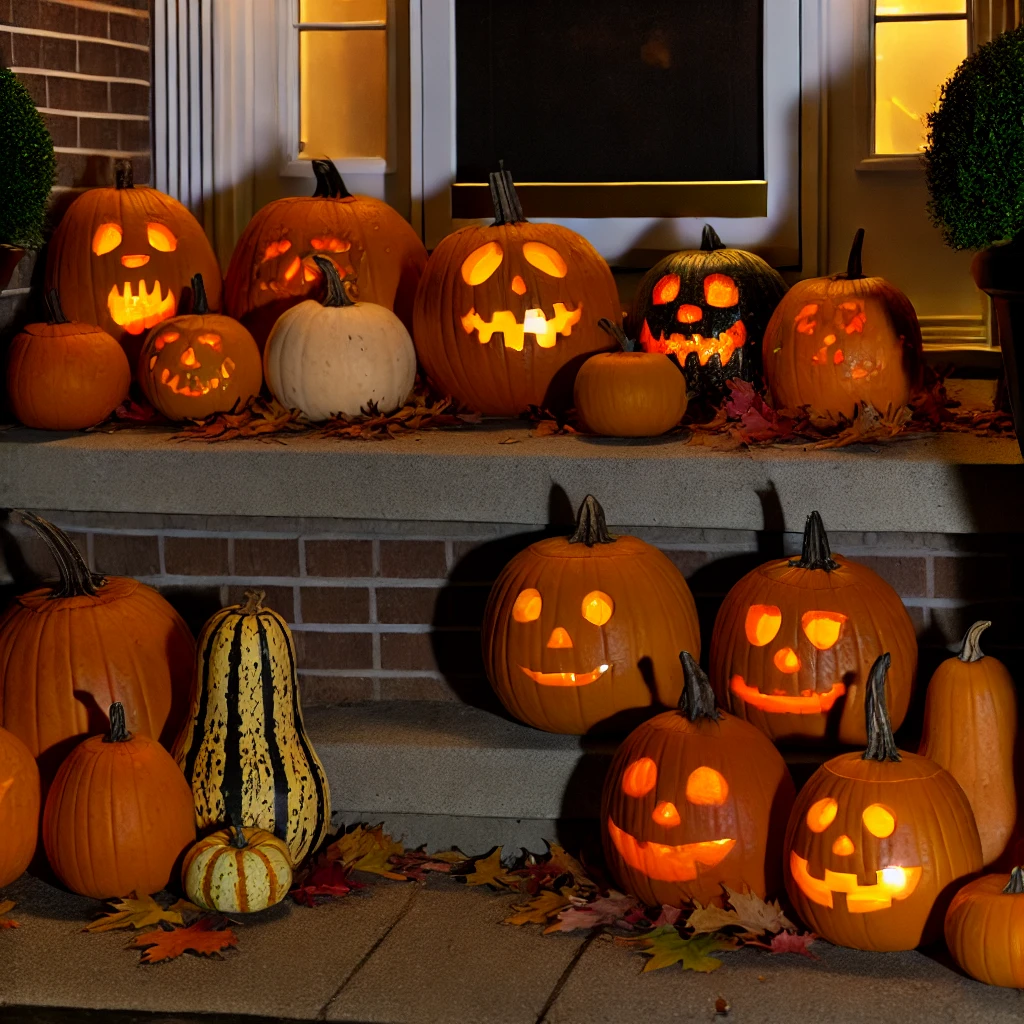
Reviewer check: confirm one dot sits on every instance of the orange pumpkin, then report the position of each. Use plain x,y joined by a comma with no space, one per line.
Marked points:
985,929
63,375
794,641
970,728
694,799
582,633
877,841
272,267
19,807
193,366
72,649
122,256
506,314
119,815
837,342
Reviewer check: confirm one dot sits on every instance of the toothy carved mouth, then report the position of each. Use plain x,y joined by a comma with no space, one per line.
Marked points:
893,883
193,386
504,322
139,312
808,703
683,344
669,863
565,678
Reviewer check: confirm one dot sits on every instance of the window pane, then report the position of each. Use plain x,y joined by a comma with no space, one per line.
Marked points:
921,7
912,60
343,10
343,94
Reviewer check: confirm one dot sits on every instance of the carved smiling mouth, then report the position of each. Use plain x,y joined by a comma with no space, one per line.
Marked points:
565,678
808,703
138,312
683,344
669,863
504,322
892,883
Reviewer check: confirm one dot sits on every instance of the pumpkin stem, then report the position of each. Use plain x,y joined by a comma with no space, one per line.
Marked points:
238,840
118,728
75,578
617,333
855,265
53,308
329,183
124,174
253,602
336,294
970,649
816,552
709,240
881,745
200,303
1015,886
697,699
591,528
507,209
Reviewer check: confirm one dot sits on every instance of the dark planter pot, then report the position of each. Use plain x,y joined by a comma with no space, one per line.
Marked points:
10,257
999,272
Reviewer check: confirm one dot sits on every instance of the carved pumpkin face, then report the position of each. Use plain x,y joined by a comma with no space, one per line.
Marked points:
876,841
690,803
506,314
708,308
582,634
795,638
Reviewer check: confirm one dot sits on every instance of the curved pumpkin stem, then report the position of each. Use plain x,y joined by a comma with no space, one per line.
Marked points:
881,745
253,602
200,303
855,264
697,699
617,333
816,552
1015,886
591,528
75,578
53,308
970,649
336,294
238,840
709,240
507,209
118,727
329,183
124,174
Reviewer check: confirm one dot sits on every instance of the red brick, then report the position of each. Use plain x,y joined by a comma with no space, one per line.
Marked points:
948,625
333,650
63,130
36,86
335,689
266,557
96,58
126,554
416,688
403,559
92,23
278,599
28,558
132,63
39,14
27,51
77,94
972,577
196,556
128,29
406,604
6,49
98,133
335,604
455,653
133,137
907,576
339,558
481,562
126,98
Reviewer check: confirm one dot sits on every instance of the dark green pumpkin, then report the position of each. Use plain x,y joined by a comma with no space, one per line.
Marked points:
709,308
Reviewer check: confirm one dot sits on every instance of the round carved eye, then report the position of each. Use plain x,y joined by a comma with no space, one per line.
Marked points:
165,339
213,340
879,821
763,622
822,628
481,263
275,249
106,238
598,607
822,814
805,320
161,237
666,290
689,314
720,291
545,259
330,244
527,606
640,777
707,787
666,814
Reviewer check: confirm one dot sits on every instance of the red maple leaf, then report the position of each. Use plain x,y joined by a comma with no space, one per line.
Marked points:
324,881
207,937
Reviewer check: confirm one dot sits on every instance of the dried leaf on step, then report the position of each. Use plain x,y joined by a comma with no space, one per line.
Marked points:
665,947
668,915
488,870
749,913
615,910
721,1006
135,913
869,426
789,942
367,849
417,863
544,906
6,906
325,880
203,938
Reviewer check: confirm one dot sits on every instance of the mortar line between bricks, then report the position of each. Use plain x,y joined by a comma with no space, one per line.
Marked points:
566,974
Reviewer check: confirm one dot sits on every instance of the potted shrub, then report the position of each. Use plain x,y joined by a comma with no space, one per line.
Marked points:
975,171
26,174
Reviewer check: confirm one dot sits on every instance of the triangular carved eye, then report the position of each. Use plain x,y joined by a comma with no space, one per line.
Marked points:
478,266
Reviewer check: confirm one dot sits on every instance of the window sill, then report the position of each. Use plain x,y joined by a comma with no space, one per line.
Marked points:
354,165
901,162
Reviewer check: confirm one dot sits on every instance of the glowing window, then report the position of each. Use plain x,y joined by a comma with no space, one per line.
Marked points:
763,622
597,607
706,786
822,814
640,777
106,238
822,628
478,266
527,607
879,821
545,259
161,237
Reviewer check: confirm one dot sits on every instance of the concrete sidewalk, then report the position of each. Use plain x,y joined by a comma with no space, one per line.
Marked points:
406,953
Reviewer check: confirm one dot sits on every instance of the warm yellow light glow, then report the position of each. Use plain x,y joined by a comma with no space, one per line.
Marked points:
275,249
720,291
478,266
504,322
597,607
666,290
892,883
213,340
668,863
665,814
763,622
686,314
165,339
808,703
161,237
682,345
527,606
559,639
134,262
227,368
805,321
787,660
843,846
707,787
330,244
138,312
106,238
640,777
518,285
547,260
188,358
565,678
822,628
292,269
821,814
879,821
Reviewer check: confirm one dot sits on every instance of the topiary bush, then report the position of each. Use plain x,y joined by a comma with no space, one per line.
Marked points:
975,154
27,165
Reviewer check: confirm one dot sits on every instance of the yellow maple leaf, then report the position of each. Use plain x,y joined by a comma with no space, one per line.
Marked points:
6,906
367,849
488,871
567,863
544,906
133,913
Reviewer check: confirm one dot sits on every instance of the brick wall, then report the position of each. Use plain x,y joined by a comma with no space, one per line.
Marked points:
385,611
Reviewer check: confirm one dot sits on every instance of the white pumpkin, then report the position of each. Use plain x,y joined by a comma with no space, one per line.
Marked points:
337,356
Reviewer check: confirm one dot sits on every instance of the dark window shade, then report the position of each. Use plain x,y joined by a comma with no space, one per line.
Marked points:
605,90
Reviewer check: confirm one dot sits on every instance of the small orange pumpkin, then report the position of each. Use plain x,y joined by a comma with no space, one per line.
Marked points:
985,929
19,807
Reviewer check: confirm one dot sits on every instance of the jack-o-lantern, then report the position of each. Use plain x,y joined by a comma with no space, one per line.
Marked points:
877,841
272,267
794,641
582,633
193,366
505,314
695,798
709,308
122,256
838,342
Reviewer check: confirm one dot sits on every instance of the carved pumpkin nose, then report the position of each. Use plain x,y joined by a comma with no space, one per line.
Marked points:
787,660
843,846
134,261
559,638
666,814
518,285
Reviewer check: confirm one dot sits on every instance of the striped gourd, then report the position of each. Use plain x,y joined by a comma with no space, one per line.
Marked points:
243,749
237,871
